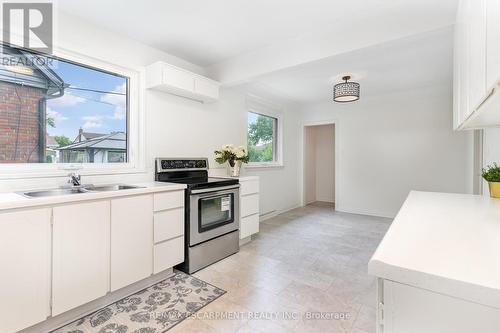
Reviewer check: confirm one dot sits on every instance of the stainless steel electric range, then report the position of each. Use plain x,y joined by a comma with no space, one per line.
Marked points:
211,211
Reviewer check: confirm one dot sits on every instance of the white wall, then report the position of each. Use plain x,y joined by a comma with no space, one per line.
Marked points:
392,144
491,151
177,127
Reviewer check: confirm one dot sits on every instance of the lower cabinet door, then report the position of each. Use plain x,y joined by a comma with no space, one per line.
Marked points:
168,254
25,268
81,251
249,205
249,225
131,240
410,309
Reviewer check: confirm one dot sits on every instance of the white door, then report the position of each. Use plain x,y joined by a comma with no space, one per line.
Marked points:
25,268
80,254
131,240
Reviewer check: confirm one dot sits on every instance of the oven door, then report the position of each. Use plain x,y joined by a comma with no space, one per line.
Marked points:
213,212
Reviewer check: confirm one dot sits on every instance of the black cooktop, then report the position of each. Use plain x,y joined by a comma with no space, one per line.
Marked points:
203,182
192,172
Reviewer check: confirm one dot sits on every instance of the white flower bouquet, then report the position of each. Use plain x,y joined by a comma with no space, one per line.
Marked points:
234,156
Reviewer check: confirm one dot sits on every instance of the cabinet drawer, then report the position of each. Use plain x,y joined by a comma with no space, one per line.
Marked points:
168,200
249,205
168,224
249,187
249,225
168,254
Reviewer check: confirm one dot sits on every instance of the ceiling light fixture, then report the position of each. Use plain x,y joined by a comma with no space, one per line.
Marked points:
346,91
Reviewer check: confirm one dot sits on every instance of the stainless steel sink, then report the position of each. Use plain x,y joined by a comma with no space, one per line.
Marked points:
54,192
78,190
114,187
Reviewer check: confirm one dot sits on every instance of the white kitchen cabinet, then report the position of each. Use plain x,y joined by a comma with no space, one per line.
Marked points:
168,200
168,254
437,266
206,87
476,65
249,206
404,308
249,225
177,78
25,268
81,254
492,41
461,66
477,52
168,224
177,81
131,240
168,249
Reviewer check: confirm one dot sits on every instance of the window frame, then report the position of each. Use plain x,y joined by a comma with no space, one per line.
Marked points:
265,108
135,128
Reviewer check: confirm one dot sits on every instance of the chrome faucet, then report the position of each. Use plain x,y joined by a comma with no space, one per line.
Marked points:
74,179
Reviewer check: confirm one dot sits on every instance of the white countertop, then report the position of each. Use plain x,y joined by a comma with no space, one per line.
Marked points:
11,200
447,243
241,178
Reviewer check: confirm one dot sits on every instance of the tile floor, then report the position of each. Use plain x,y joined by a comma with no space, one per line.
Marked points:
310,261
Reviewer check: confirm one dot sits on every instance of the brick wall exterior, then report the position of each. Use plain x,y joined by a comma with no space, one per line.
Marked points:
19,122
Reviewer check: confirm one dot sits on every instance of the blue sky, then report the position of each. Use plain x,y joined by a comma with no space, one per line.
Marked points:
252,117
93,111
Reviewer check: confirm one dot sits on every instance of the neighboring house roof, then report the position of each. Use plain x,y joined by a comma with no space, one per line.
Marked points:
83,136
113,141
21,67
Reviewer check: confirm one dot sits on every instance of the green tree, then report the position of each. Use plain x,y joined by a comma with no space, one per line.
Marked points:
51,122
62,140
260,139
260,131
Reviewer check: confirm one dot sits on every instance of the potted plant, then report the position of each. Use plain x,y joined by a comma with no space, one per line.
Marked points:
492,175
234,156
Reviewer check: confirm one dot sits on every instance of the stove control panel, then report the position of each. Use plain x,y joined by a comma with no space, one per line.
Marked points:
174,164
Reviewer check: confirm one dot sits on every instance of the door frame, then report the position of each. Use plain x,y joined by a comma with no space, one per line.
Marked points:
303,127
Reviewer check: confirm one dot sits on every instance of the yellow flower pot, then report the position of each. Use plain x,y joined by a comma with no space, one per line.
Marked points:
494,189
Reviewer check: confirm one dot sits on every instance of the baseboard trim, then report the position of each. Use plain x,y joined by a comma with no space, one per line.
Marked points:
70,316
367,213
277,212
245,240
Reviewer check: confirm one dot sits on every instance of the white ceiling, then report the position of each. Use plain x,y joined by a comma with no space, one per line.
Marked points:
405,64
207,32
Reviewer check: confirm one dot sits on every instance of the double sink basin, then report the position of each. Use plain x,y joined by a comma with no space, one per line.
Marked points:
78,190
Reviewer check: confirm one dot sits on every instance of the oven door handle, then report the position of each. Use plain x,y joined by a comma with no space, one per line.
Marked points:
215,189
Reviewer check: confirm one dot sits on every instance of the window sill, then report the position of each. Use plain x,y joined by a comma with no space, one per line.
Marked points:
264,166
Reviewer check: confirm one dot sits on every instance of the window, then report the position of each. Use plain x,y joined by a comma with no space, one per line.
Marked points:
54,110
262,139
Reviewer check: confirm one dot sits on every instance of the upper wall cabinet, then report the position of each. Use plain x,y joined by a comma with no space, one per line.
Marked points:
178,81
476,86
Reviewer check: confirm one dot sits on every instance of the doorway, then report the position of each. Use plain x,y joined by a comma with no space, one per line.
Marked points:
319,164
